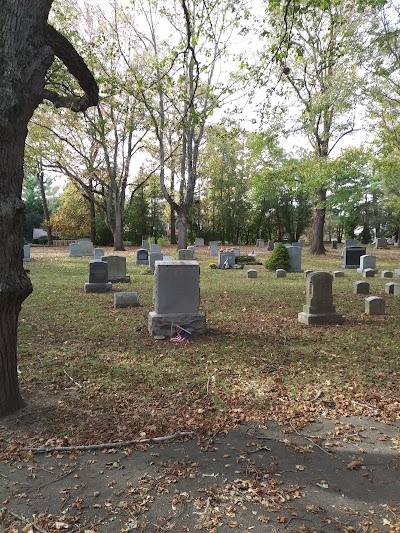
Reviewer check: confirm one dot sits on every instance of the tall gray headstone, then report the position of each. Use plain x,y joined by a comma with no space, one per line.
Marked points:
145,244
155,248
117,269
319,308
98,277
176,298
294,258
87,247
260,243
270,246
334,245
367,261
153,257
185,255
75,249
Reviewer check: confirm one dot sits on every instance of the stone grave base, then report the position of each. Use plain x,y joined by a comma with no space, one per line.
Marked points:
316,319
121,279
160,324
98,287
142,262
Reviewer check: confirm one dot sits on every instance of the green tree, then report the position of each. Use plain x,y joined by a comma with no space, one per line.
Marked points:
317,49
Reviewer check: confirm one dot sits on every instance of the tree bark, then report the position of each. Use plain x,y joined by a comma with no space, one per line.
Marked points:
182,230
40,178
318,222
25,57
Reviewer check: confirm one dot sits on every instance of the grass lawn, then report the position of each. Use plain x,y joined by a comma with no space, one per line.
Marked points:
91,373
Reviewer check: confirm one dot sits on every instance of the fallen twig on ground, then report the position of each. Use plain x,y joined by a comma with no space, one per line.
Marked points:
23,519
104,446
310,440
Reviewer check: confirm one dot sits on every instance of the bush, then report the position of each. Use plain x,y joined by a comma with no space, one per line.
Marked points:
279,258
245,259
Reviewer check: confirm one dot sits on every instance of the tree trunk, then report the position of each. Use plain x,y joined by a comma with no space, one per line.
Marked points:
118,231
40,178
182,230
15,285
92,207
317,238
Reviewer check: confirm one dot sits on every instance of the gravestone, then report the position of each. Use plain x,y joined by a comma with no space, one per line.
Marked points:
226,256
98,254
389,288
302,242
396,289
350,243
185,255
381,242
307,273
145,245
153,257
117,269
98,277
334,245
199,241
155,248
251,274
270,246
126,299
27,253
338,274
319,308
294,258
386,274
374,305
214,249
367,261
361,287
236,250
75,249
351,256
280,273
87,247
176,299
213,243
260,243
167,258
193,248
368,273
142,256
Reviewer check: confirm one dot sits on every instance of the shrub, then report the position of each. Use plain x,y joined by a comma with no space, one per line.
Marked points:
279,258
245,259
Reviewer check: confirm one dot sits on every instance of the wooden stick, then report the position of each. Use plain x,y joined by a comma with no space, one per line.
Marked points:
23,519
106,445
313,443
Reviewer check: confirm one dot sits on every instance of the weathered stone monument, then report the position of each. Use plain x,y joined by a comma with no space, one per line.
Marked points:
176,299
270,246
361,287
27,253
87,247
214,249
117,269
374,305
145,244
319,308
367,261
142,256
386,274
338,274
226,256
199,241
350,243
153,257
260,243
334,244
155,248
98,277
252,274
193,249
185,255
351,256
126,299
381,242
98,253
75,249
294,258
280,273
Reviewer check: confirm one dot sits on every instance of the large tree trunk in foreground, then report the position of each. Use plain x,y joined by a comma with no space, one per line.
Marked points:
27,48
182,230
318,221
